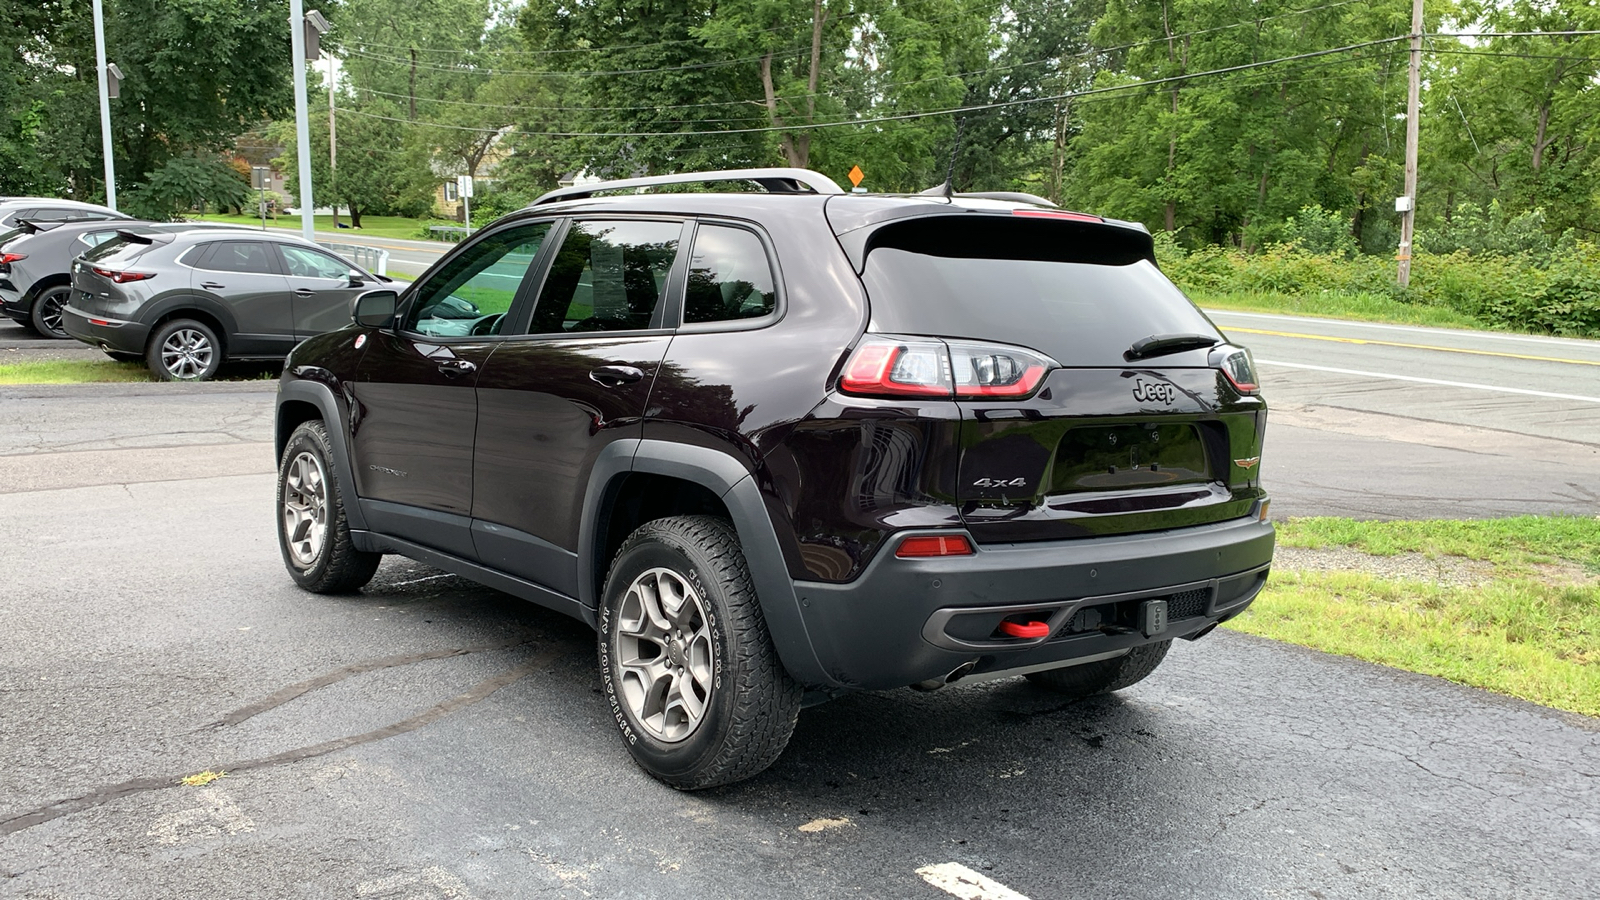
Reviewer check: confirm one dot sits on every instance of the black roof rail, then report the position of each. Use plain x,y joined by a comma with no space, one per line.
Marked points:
774,181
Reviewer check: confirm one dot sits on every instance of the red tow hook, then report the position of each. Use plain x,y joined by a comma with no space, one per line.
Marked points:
1025,629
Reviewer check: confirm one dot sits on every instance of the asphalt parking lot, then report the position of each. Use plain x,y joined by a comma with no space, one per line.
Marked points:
431,738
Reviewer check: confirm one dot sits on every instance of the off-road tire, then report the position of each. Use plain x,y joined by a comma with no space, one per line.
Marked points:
45,317
753,704
156,349
1104,676
337,567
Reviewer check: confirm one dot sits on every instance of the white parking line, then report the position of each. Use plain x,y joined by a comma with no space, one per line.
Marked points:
960,881
1460,384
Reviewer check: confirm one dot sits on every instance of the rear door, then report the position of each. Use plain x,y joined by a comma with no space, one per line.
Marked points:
1111,440
416,400
321,286
244,277
576,379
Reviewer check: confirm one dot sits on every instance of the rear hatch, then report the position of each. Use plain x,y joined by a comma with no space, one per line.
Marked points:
1130,413
100,274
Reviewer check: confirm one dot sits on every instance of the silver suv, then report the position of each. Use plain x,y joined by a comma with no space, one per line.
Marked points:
185,300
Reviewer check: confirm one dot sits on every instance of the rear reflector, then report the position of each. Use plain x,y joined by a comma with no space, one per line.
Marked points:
928,545
1052,214
98,322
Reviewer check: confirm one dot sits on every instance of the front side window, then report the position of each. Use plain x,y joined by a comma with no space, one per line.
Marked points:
609,276
303,262
729,277
249,257
473,292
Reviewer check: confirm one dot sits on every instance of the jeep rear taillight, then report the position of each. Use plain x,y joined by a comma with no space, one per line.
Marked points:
882,367
1241,370
122,277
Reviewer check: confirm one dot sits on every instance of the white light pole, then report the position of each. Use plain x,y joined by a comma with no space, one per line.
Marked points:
105,103
300,24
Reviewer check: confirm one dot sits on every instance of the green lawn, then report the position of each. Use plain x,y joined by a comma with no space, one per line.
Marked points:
1530,628
1339,305
371,226
101,371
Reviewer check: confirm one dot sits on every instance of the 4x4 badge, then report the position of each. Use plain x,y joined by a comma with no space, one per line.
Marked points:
1247,463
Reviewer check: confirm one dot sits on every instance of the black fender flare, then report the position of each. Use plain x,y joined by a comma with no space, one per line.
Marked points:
731,481
334,419
159,310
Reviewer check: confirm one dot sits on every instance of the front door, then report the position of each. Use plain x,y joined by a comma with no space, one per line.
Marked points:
322,287
550,400
416,406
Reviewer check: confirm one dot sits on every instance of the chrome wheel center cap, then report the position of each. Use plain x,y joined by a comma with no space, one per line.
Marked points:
675,652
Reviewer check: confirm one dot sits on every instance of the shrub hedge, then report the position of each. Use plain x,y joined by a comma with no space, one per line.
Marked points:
1559,294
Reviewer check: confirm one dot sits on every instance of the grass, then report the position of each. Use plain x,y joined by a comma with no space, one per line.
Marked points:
73,371
104,371
1340,305
1531,629
371,226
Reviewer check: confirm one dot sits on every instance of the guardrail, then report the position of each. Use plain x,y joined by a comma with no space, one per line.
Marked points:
453,233
373,259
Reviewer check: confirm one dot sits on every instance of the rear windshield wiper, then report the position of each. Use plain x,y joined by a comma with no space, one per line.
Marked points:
1162,344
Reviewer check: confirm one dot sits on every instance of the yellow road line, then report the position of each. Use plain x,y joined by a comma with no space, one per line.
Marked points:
1345,340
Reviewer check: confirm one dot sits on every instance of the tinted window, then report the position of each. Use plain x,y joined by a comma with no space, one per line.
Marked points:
729,277
473,292
609,276
303,262
1035,286
250,257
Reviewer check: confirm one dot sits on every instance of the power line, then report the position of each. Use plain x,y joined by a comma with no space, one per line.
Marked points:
979,107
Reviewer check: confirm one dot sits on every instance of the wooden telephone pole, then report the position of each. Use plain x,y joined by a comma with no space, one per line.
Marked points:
1407,204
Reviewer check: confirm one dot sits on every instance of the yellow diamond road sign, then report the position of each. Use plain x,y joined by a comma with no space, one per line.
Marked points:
855,175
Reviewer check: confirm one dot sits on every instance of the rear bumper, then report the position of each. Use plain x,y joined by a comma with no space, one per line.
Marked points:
107,334
910,620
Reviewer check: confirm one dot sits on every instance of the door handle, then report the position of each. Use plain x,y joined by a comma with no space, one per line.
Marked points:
303,292
611,376
212,285
455,368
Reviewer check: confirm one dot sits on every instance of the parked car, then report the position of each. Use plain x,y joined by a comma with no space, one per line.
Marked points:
43,210
187,297
774,447
35,269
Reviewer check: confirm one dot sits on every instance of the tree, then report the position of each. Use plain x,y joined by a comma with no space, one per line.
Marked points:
383,163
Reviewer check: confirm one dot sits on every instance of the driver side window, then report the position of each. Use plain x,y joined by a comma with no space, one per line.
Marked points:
473,292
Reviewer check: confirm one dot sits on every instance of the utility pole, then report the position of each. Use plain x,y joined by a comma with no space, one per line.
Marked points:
333,149
1407,204
105,103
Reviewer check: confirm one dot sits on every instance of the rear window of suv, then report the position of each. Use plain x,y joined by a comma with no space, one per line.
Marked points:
1082,293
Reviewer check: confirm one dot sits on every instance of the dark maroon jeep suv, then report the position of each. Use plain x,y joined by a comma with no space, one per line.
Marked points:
782,444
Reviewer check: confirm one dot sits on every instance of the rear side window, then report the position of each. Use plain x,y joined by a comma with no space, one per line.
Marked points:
608,276
729,277
250,257
1082,294
95,238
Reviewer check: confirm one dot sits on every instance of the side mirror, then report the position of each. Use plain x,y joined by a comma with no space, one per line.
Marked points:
375,308
356,278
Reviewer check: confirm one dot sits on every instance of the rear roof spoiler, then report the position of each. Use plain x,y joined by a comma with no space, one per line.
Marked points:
143,237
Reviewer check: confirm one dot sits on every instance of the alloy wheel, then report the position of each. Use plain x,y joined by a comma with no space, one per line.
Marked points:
187,353
666,654
305,509
50,306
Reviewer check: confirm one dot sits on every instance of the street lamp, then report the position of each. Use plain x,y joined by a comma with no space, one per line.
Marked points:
110,78
304,30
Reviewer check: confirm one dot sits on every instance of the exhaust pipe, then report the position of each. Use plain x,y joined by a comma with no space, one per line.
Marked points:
956,674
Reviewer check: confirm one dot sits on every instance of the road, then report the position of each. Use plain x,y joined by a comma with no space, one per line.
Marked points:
430,738
1386,421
